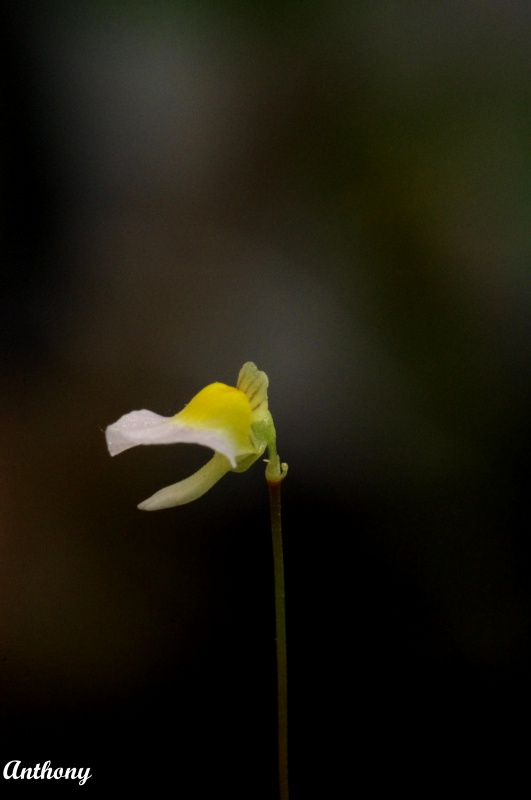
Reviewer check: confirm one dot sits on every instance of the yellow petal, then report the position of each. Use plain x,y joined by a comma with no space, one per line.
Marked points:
218,417
224,412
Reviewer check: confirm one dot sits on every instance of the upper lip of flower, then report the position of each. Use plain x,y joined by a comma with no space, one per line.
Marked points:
234,422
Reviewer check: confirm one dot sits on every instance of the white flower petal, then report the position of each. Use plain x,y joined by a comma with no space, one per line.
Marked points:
190,488
146,427
138,427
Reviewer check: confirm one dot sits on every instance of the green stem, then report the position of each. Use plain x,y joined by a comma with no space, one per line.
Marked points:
274,475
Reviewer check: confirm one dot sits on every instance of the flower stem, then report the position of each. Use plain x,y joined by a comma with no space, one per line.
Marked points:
275,472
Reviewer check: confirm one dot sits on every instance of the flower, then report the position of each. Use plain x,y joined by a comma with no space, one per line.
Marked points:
234,422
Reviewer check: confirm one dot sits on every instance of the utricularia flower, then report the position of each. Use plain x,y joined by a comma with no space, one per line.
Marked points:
235,422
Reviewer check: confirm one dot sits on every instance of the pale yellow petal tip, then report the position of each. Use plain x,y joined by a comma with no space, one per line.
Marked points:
253,382
189,489
146,505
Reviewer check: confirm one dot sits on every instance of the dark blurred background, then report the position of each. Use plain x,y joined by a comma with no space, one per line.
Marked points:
340,192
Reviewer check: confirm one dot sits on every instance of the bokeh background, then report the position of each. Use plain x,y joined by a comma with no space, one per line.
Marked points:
340,192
